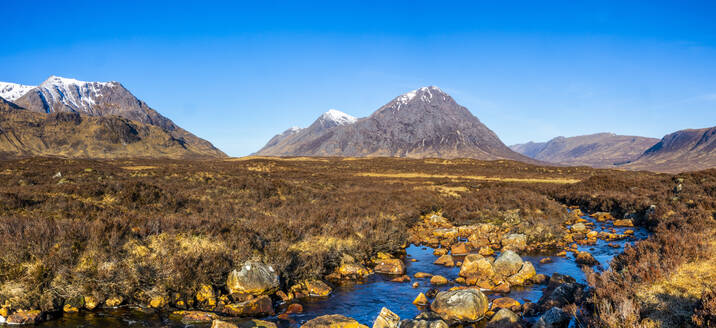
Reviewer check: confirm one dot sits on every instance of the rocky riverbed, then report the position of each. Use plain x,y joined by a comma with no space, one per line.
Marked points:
467,274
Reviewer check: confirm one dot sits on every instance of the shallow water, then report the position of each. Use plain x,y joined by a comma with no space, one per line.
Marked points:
364,301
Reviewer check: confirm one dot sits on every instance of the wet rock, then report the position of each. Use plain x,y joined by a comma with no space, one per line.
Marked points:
422,275
421,300
440,251
352,271
515,242
503,287
526,272
312,288
294,308
259,306
206,296
603,216
445,260
432,292
505,303
539,279
114,301
504,318
253,278
623,223
390,266
386,319
546,260
194,317
579,228
69,308
416,284
403,278
222,324
460,305
333,321
508,263
586,259
25,317
553,318
255,323
561,290
91,302
459,249
438,280
419,323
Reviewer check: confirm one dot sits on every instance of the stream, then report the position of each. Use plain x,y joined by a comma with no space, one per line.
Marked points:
363,301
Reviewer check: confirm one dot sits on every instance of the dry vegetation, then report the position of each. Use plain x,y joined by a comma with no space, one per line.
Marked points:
136,228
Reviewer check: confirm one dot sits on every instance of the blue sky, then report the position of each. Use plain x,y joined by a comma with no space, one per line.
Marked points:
238,72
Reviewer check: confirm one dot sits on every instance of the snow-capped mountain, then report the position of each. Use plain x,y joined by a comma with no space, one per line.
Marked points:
12,91
59,94
425,122
334,117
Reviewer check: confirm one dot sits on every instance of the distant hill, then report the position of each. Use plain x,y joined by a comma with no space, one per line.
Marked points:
425,122
596,150
90,100
684,150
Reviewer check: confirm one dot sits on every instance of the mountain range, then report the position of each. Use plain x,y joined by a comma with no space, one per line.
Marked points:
95,107
426,122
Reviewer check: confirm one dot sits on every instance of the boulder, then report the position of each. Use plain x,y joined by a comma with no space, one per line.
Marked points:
579,228
386,319
504,318
508,263
515,242
553,318
561,290
158,302
91,302
445,260
603,216
253,278
585,258
440,251
505,303
503,287
459,249
486,251
259,306
312,288
194,317
352,271
438,280
390,266
420,323
460,305
422,275
623,223
526,272
23,317
114,301
333,321
476,265
294,308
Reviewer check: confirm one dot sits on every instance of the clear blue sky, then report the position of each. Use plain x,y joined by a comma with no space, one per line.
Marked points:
238,72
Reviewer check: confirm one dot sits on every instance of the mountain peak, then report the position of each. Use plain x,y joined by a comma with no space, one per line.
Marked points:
424,94
55,80
337,117
13,91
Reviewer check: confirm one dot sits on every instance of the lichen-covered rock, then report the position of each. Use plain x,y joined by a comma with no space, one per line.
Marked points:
91,302
438,280
390,266
515,242
114,301
508,263
553,318
623,223
504,318
253,278
386,319
578,228
478,266
352,271
333,321
25,317
445,260
459,249
312,288
259,306
460,305
222,324
585,258
526,272
505,303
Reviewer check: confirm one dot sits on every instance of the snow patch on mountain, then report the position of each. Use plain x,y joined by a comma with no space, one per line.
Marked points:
337,117
12,91
424,94
76,94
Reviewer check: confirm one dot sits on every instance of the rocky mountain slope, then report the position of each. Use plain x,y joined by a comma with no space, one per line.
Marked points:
69,134
425,122
596,150
102,99
684,150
